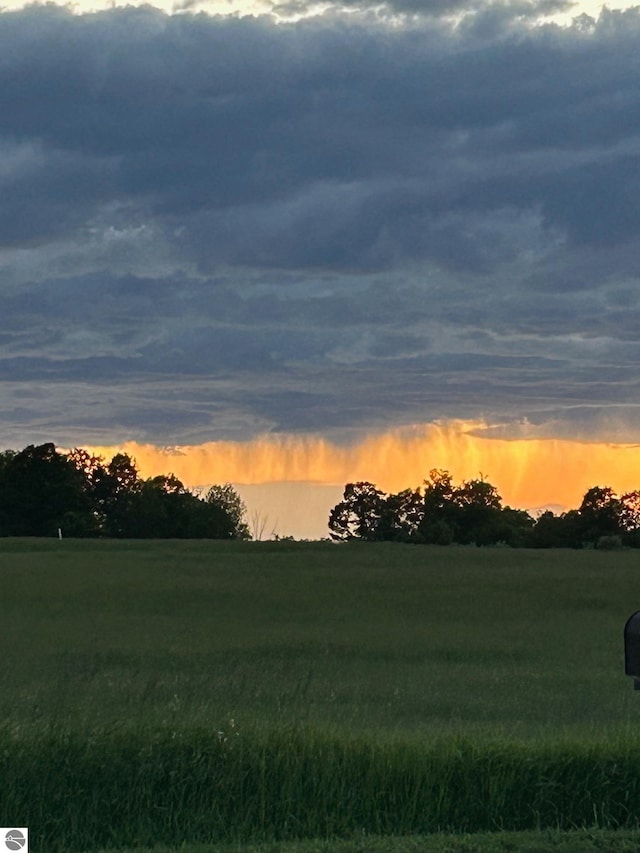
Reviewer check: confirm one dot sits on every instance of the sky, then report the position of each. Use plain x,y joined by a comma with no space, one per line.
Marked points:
294,244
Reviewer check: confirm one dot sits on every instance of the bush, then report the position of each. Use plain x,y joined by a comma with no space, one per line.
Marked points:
609,543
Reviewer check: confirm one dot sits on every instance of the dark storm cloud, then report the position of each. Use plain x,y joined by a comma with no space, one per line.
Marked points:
321,225
433,8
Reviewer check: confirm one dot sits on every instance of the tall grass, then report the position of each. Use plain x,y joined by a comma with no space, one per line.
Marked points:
169,692
395,639
142,788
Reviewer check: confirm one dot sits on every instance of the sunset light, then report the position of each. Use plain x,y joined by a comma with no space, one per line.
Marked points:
529,473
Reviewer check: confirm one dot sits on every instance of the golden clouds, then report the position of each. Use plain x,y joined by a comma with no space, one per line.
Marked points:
527,472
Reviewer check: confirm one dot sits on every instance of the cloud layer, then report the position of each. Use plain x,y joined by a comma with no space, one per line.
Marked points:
218,227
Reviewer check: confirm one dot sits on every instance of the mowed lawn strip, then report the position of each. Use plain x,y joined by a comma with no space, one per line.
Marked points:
578,841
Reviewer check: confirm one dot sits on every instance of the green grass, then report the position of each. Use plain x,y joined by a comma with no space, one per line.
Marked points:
402,639
236,693
549,841
111,789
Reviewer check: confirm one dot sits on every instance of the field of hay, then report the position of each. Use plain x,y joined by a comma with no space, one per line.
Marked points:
242,693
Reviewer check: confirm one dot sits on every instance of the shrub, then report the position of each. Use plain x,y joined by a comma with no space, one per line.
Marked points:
609,543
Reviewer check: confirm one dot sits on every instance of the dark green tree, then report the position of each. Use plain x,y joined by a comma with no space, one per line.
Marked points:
439,520
516,526
96,485
227,499
478,518
359,513
197,519
631,519
117,489
41,490
400,516
557,531
162,507
602,513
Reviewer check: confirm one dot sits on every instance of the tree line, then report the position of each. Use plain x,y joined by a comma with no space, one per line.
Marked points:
445,513
43,490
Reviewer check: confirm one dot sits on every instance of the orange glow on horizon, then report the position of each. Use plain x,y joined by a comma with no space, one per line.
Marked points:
528,473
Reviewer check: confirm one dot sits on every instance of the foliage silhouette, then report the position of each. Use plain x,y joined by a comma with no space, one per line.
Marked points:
227,499
472,513
43,490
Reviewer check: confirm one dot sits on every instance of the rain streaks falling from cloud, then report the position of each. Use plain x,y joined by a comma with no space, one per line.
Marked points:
529,473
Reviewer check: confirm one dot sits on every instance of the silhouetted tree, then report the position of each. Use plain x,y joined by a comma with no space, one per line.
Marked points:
226,498
359,513
602,513
97,486
479,515
631,511
162,508
631,519
400,516
445,513
118,487
40,491
439,514
557,531
515,526
197,519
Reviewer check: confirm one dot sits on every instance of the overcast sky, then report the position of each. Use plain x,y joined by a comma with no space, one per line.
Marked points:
216,227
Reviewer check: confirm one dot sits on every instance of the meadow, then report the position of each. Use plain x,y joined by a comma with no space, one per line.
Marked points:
191,693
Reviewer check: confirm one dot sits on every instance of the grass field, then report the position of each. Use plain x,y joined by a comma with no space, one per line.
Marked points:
236,693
